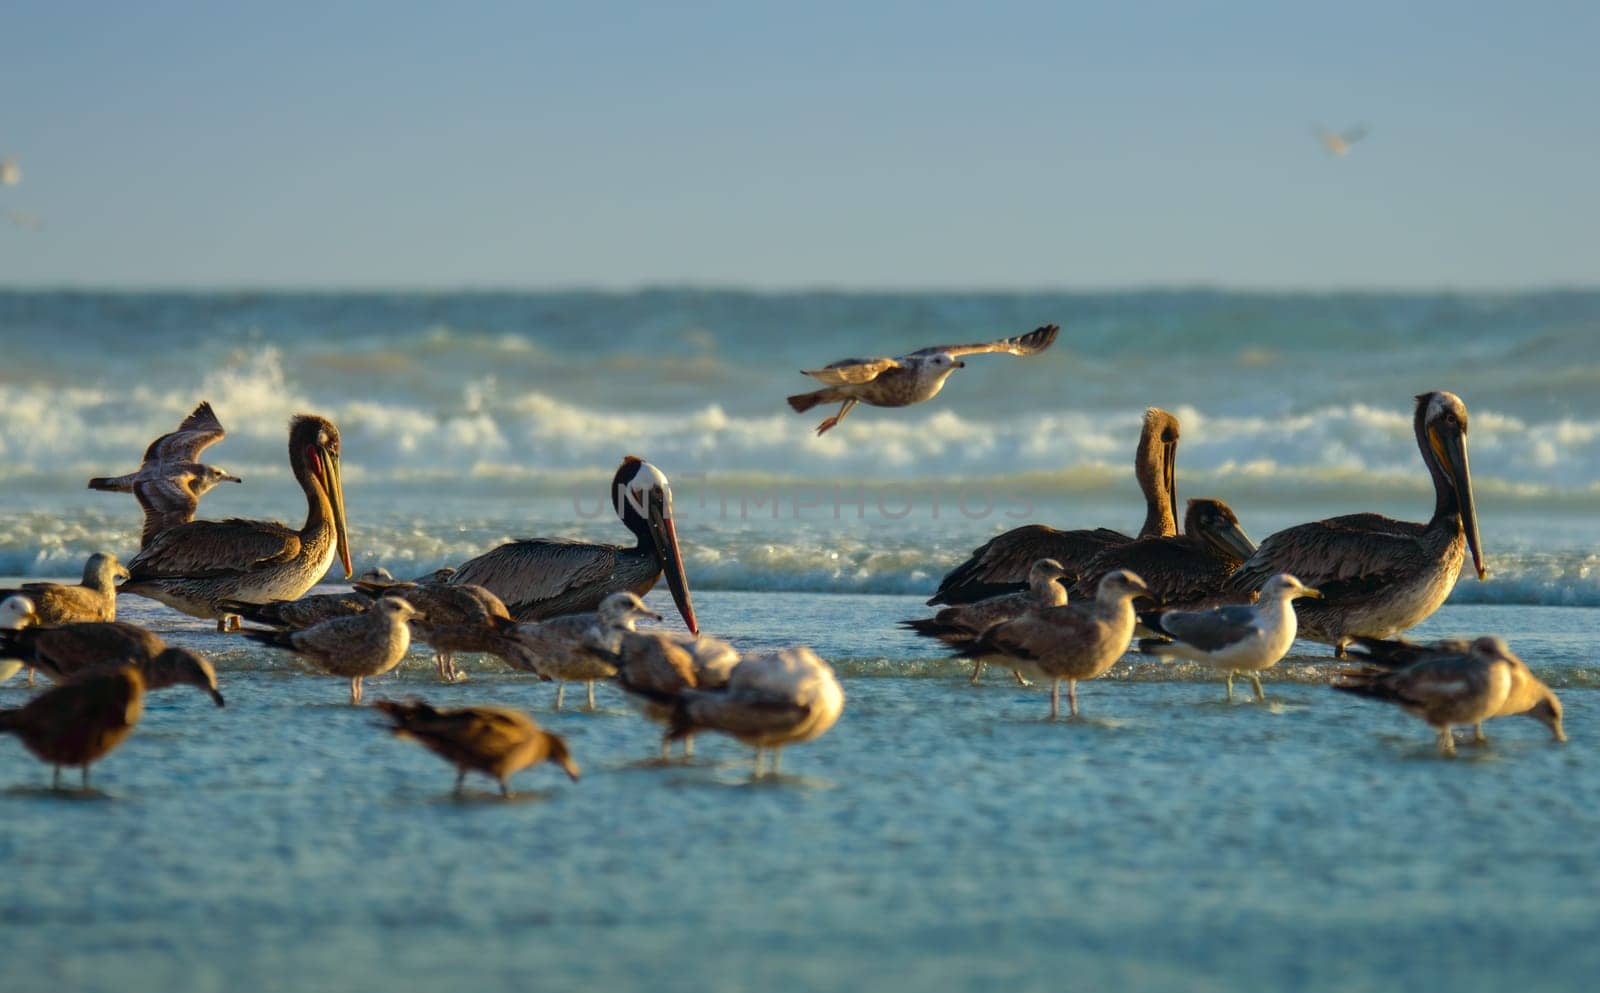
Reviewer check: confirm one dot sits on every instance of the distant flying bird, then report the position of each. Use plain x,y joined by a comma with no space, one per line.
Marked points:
1339,142
170,482
10,172
911,378
23,219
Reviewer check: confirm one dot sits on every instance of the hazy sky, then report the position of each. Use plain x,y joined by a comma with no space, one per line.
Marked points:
800,144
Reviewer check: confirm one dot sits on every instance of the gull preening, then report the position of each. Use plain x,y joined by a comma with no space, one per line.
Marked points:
1235,638
1066,643
496,741
1002,564
171,480
1380,576
908,379
368,644
194,567
1454,684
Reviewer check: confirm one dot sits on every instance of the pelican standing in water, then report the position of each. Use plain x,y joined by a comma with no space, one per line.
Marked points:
194,567
1379,576
1002,564
903,381
547,577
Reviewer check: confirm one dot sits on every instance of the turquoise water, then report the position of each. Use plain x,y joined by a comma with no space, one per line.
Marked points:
941,836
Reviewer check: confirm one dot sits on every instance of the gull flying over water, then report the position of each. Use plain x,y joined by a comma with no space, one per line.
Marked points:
1339,142
171,480
908,379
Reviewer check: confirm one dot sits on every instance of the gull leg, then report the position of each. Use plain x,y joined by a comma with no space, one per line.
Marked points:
1255,684
844,409
355,691
666,748
1230,687
461,781
505,789
1478,737
1447,741
758,763
591,695
55,781
777,761
1055,699
1021,680
688,747
977,671
561,691
30,676
86,777
1072,696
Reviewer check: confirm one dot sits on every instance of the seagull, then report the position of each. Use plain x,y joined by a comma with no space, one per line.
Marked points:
963,622
655,667
1233,638
368,644
1339,142
79,722
10,171
1449,687
908,379
496,741
95,599
769,702
1069,643
577,647
171,480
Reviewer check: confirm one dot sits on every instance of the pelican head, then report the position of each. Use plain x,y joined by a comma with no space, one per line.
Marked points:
1121,584
624,610
103,571
1155,465
1441,425
181,667
643,500
1285,587
1215,523
17,612
314,454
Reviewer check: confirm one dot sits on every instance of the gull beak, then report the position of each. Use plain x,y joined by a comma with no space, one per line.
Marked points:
1307,591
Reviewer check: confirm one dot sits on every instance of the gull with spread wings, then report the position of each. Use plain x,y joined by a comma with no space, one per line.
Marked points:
908,379
171,481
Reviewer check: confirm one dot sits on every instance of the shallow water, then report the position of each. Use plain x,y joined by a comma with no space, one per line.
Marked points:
941,836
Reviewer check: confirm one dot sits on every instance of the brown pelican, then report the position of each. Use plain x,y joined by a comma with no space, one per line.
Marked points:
909,379
79,722
1184,571
1379,576
577,647
1001,565
1247,638
368,644
171,480
1069,643
195,566
963,622
547,577
496,741
769,702
1450,687
95,599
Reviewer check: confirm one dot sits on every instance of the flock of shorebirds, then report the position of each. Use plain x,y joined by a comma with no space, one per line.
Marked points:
1057,605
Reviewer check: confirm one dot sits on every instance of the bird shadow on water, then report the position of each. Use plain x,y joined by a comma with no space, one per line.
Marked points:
470,798
72,794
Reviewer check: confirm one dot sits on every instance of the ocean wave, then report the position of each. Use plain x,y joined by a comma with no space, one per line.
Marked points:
491,434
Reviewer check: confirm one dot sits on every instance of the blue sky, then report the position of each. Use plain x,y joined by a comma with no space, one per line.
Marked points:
818,144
